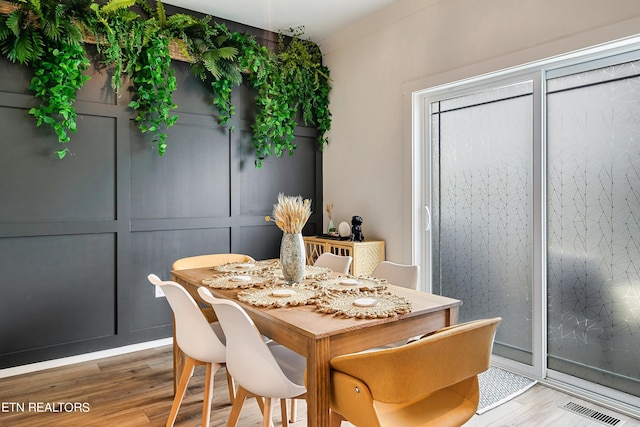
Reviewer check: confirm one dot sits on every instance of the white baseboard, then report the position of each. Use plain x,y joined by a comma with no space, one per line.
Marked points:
39,366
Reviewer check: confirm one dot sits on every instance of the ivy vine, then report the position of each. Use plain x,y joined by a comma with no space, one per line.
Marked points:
286,81
57,78
308,79
45,36
133,39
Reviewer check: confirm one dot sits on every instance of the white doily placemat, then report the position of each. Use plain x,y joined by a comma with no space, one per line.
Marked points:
231,281
311,272
363,305
279,296
350,284
247,267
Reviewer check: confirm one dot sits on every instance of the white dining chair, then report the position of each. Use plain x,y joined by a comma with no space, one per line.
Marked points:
261,370
202,342
405,275
198,261
398,274
337,263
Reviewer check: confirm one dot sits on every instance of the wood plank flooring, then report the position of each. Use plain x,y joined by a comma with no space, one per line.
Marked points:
136,390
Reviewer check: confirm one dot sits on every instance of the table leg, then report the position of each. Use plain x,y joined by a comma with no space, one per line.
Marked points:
318,383
453,315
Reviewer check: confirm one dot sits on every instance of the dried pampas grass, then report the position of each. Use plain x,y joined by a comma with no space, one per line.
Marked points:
291,213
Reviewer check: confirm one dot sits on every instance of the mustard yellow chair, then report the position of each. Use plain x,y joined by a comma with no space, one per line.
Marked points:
429,382
209,260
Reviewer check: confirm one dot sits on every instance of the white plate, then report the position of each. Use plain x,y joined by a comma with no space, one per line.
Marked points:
240,278
283,293
349,282
365,302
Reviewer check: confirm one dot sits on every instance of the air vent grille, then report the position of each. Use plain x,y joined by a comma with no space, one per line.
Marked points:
594,415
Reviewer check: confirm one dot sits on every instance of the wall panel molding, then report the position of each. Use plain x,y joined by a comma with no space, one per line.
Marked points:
78,236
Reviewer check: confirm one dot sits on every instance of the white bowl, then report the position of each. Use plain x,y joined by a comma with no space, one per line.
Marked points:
283,293
365,302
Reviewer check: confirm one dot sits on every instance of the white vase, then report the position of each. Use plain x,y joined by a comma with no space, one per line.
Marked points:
292,257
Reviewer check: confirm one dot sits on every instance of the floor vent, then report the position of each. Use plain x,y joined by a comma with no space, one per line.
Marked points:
594,415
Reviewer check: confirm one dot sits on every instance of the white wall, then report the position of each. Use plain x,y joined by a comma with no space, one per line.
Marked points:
376,63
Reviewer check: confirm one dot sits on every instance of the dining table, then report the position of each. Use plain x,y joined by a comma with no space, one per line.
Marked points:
320,335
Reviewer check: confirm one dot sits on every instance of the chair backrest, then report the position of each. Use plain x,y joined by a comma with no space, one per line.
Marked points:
249,359
209,260
337,263
398,274
434,362
194,334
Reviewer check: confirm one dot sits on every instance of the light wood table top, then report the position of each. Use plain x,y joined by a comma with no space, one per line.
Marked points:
319,337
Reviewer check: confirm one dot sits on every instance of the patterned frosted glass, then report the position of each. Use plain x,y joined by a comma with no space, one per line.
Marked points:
591,77
593,229
483,214
490,95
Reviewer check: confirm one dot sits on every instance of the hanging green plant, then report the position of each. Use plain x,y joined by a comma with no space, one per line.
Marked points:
32,24
215,62
135,40
154,79
221,58
274,126
286,82
118,36
44,35
57,78
301,62
155,82
20,41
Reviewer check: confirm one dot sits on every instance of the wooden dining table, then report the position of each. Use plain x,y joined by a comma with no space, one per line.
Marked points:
320,336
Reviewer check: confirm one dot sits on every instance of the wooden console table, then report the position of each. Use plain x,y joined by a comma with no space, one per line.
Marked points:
366,255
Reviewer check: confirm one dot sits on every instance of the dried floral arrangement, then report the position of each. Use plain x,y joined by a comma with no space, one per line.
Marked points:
331,229
291,213
329,208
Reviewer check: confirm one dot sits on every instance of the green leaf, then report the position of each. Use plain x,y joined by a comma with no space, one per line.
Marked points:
14,22
115,5
227,52
62,153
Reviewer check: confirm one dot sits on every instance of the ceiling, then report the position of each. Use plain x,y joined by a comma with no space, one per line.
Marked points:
320,18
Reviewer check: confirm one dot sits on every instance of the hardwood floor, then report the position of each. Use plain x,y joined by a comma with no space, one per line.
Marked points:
136,390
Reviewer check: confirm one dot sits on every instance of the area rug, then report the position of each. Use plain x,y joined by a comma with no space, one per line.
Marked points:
498,386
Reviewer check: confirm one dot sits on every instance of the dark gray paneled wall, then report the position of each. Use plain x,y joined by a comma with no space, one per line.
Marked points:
78,236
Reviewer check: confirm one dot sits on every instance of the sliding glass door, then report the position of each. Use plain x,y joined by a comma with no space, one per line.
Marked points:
482,216
593,224
535,199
